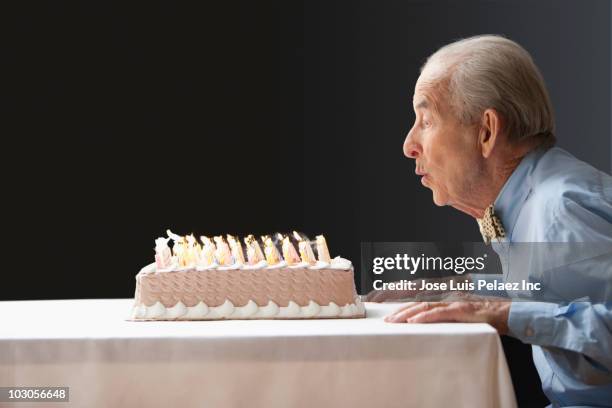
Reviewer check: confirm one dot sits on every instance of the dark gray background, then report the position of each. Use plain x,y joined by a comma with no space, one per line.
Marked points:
362,107
251,117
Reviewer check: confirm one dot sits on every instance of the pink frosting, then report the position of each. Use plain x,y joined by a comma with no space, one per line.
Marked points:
213,287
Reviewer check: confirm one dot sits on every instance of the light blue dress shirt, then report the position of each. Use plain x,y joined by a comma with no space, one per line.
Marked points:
552,197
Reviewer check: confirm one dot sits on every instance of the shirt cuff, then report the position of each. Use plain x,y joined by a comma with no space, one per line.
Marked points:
532,322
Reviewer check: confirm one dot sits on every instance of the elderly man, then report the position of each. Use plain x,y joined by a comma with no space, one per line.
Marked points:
482,142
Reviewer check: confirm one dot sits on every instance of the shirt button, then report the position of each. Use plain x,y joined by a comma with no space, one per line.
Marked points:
529,331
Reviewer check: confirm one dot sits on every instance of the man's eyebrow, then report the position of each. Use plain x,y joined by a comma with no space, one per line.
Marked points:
423,104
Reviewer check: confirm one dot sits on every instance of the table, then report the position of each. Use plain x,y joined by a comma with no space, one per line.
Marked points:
108,361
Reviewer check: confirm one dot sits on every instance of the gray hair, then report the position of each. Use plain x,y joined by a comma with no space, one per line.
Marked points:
491,71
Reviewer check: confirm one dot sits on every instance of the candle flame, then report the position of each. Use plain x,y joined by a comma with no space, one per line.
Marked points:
274,248
174,237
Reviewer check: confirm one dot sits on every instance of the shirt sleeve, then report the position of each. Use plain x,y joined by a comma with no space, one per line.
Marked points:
579,327
577,333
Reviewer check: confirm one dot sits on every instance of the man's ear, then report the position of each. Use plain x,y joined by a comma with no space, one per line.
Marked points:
490,132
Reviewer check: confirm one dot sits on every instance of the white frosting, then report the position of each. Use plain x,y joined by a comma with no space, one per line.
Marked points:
330,310
221,312
300,265
157,311
213,265
140,310
311,310
340,263
278,265
245,311
320,265
173,267
236,265
249,311
336,263
258,265
291,310
196,312
270,310
348,310
149,268
176,311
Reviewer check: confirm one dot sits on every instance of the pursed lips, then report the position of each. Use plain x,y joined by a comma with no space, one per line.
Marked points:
419,171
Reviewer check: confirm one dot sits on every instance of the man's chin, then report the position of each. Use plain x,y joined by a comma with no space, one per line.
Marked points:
438,200
439,203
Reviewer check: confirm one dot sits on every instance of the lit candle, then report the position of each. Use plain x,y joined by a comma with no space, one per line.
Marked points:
289,253
178,249
163,255
174,237
192,251
322,250
207,256
272,255
223,253
305,249
254,253
236,248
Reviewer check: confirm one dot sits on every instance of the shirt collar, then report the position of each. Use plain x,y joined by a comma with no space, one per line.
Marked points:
513,194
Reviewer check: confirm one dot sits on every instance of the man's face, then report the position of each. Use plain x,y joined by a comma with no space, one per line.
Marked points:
446,151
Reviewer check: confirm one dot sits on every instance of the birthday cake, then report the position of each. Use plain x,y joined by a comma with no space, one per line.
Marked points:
212,279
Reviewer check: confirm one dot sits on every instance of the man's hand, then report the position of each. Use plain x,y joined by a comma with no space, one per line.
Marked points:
468,309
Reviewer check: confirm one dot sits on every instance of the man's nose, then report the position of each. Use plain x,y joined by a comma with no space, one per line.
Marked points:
412,149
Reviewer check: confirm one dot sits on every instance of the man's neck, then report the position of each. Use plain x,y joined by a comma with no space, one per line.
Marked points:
496,173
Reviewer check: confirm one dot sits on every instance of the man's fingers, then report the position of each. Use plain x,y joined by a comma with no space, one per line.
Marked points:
436,315
410,310
495,313
405,306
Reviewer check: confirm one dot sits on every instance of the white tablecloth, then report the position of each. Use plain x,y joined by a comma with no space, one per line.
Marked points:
108,361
